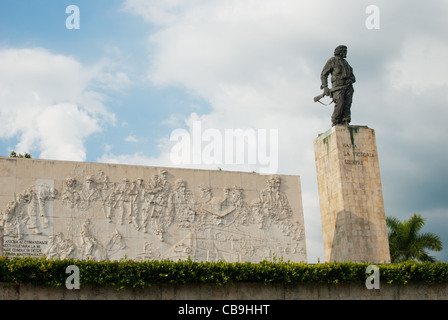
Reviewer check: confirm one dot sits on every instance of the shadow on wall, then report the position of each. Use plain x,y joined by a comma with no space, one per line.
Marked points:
351,238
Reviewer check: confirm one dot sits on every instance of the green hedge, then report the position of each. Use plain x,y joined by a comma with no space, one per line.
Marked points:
129,273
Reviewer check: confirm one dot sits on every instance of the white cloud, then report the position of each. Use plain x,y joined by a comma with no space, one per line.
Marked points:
258,64
108,147
253,61
175,120
60,131
162,12
135,159
116,81
422,65
131,138
47,103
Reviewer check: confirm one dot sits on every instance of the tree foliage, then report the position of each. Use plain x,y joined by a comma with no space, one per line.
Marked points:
130,273
407,243
13,154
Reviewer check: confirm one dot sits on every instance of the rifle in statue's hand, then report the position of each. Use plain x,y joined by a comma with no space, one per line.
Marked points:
317,98
328,93
323,94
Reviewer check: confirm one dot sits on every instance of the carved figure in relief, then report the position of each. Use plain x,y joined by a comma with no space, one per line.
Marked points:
14,221
67,249
150,192
241,208
274,203
70,194
210,209
44,193
160,219
137,199
123,201
32,201
81,196
108,198
206,199
29,210
52,250
60,248
115,243
156,205
228,204
181,205
271,207
92,248
89,193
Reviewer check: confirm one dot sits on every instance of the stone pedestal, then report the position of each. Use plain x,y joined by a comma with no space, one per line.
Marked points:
350,194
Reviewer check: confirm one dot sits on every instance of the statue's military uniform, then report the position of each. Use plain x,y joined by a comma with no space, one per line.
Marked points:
342,78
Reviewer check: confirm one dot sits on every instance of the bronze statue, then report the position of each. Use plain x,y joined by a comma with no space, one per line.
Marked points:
341,91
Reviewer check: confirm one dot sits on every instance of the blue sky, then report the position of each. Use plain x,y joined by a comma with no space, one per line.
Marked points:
114,90
116,38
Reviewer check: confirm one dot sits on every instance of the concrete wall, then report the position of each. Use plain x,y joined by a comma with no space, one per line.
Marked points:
101,211
240,291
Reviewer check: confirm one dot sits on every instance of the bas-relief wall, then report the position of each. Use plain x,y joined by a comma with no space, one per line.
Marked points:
105,211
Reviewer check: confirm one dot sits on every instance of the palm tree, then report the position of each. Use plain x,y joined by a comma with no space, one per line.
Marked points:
406,243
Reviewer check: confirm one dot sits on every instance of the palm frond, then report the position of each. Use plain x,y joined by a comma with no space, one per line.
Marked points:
407,243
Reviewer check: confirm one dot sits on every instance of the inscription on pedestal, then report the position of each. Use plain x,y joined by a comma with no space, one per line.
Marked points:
354,156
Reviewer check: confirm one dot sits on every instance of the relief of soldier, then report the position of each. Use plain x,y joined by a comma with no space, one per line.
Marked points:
28,212
149,207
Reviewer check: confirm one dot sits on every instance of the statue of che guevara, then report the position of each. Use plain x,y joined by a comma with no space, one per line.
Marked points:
341,91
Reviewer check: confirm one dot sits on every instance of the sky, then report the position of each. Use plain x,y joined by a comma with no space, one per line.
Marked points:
134,73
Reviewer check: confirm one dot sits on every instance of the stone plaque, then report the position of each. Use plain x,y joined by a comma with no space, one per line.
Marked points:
107,211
